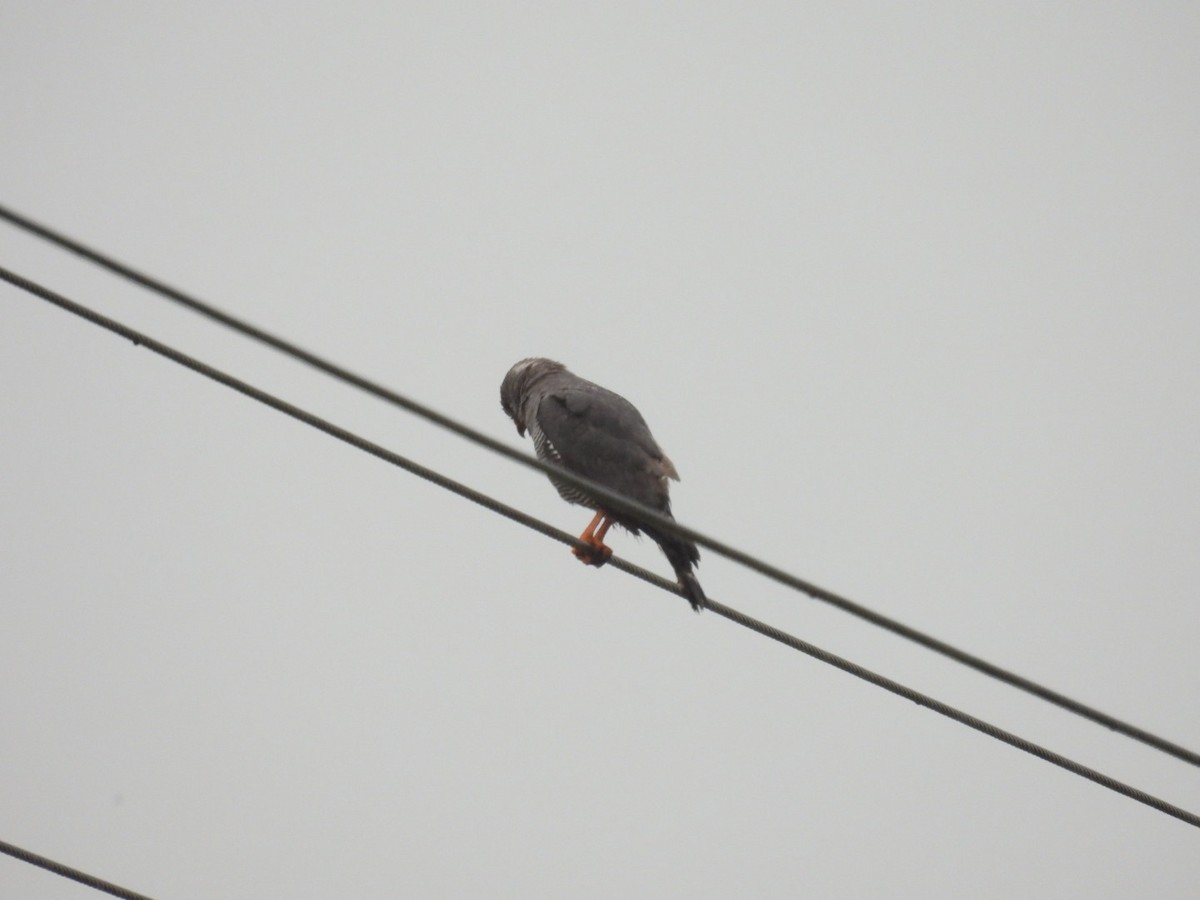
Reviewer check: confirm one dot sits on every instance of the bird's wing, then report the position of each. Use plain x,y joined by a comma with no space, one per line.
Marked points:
601,435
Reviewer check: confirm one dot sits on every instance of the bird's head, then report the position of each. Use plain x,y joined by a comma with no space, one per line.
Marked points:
514,390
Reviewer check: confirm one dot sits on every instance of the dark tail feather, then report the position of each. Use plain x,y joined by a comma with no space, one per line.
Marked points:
683,556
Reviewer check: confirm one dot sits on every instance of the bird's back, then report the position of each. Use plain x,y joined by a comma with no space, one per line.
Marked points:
600,435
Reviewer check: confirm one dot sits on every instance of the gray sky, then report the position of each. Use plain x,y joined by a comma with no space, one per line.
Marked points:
908,294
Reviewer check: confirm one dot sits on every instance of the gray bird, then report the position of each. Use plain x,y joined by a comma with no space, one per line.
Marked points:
599,435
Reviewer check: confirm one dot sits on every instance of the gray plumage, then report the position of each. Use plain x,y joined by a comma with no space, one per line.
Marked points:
601,436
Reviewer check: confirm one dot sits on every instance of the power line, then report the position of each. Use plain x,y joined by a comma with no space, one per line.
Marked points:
616,501
67,872
733,615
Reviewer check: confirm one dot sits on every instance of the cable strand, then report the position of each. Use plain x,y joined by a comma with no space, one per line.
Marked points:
66,871
142,340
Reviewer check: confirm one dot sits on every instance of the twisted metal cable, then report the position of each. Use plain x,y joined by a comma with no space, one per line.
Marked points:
66,871
727,612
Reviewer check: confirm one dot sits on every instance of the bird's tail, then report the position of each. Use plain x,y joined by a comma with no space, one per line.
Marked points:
683,556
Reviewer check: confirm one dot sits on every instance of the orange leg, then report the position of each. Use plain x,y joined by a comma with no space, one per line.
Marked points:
596,554
588,535
599,535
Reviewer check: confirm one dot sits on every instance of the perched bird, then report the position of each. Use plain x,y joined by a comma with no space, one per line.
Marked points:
598,435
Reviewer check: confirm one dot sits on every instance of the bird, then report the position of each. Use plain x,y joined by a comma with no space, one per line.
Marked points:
597,434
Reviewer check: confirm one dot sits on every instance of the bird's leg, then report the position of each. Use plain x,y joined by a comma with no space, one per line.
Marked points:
595,554
601,532
588,533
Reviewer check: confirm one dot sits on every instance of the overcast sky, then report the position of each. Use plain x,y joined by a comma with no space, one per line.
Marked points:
910,293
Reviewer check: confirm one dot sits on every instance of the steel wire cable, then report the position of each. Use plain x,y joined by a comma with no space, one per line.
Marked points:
66,871
615,500
142,340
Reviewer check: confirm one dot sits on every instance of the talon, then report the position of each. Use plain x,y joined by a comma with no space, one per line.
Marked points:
595,553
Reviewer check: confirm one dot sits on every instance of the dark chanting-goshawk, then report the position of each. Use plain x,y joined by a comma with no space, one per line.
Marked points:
599,435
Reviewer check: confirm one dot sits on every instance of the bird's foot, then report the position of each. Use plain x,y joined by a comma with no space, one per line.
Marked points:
593,554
